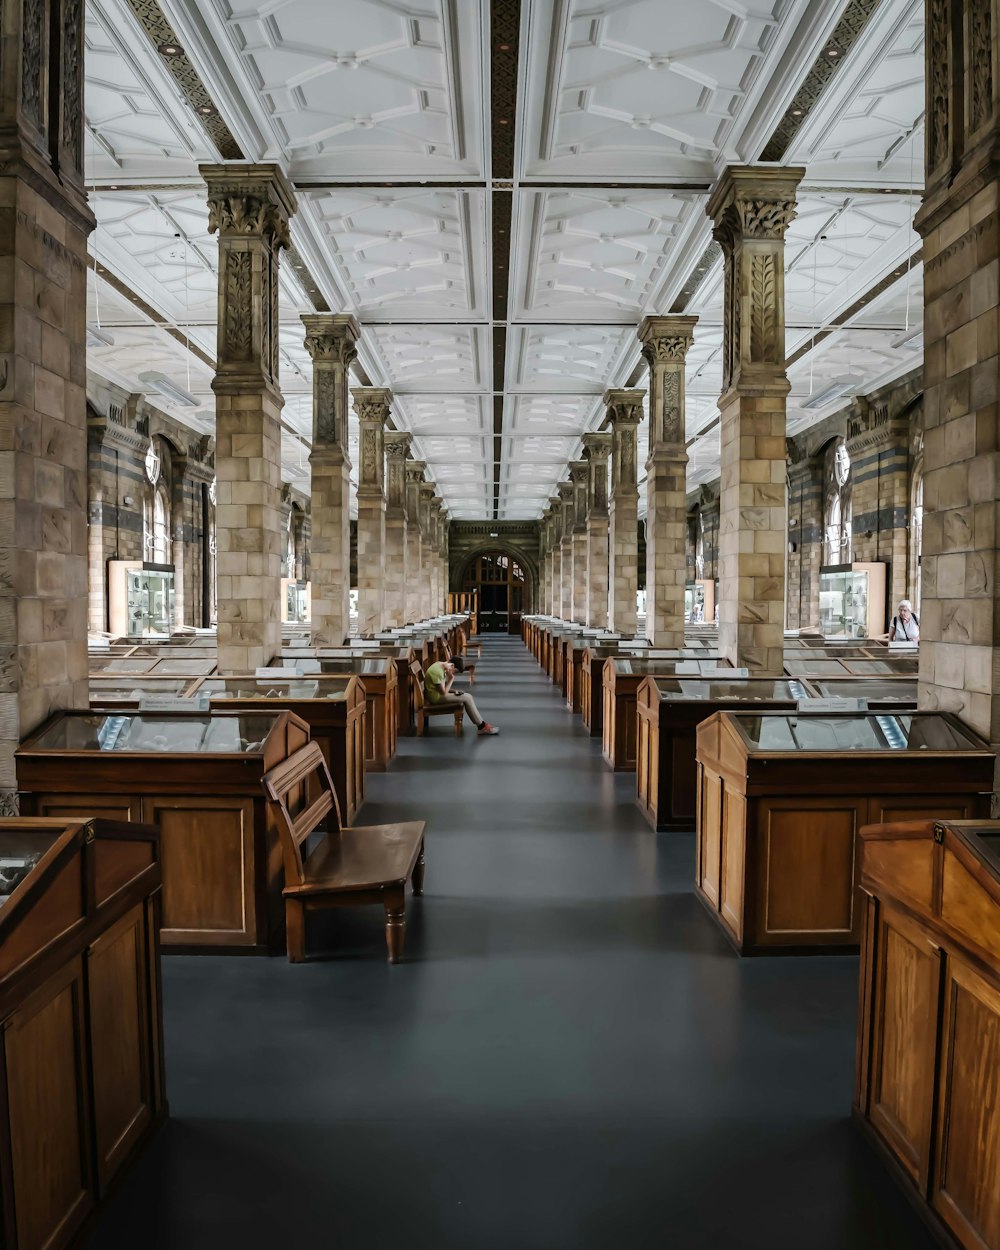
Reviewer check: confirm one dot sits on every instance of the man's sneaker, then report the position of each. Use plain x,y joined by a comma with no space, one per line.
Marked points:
485,729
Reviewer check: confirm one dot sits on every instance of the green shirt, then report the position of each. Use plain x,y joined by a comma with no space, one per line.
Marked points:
434,679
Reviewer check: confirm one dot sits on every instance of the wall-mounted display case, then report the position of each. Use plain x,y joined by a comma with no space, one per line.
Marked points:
296,601
198,778
699,601
852,600
140,599
781,799
81,1066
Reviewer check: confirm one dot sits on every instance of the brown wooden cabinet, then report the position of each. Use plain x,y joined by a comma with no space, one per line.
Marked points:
81,1065
198,778
781,799
928,1061
378,675
334,708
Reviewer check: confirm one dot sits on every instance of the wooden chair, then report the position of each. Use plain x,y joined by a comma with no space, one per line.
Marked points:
348,866
422,710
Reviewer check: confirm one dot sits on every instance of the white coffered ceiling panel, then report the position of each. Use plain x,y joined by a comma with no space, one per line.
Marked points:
649,89
433,358
407,253
363,87
558,358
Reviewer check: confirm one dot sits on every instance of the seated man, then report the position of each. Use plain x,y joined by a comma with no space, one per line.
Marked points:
437,688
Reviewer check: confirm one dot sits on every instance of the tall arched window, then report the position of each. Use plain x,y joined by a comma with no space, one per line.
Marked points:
161,526
156,507
501,584
837,504
917,538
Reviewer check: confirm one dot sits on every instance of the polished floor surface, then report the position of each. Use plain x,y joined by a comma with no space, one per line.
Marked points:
570,1057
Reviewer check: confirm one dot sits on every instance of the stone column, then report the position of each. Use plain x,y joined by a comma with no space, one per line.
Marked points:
555,554
597,448
959,222
426,551
435,516
249,206
579,472
567,510
371,403
805,534
665,342
397,445
751,208
331,340
414,584
624,416
443,551
545,566
43,415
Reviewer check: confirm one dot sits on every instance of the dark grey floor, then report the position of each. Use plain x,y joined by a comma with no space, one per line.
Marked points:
571,1057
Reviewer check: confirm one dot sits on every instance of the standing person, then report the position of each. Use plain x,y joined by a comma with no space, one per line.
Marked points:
437,687
905,625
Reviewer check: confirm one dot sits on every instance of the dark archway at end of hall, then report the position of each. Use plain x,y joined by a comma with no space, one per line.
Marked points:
503,586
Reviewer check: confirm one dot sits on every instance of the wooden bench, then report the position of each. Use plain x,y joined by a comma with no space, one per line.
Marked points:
348,866
422,710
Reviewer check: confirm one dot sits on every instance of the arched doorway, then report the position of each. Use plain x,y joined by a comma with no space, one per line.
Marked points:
501,584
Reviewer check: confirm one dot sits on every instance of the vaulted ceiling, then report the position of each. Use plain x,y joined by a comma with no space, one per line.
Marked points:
499,192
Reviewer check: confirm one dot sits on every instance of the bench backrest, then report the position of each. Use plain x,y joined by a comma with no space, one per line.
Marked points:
419,698
301,794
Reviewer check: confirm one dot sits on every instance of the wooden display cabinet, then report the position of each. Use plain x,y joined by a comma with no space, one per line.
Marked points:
81,1067
928,1049
332,707
781,799
621,677
591,680
669,711
198,778
381,686
576,650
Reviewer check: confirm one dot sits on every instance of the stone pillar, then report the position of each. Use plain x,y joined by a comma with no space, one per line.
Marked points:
567,511
249,206
624,416
545,567
436,526
805,535
443,553
414,583
179,519
751,208
597,448
959,222
665,342
555,554
43,415
579,472
331,340
397,445
371,403
426,551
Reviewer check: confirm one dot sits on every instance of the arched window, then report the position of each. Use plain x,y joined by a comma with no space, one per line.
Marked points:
501,582
161,526
837,504
917,538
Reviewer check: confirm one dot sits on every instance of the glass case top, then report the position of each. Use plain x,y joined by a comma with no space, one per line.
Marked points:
984,835
329,689
897,690
796,667
152,734
909,666
122,688
20,851
174,667
683,689
854,732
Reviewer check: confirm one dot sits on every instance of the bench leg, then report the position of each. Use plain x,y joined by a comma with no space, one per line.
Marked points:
395,925
458,722
295,931
418,872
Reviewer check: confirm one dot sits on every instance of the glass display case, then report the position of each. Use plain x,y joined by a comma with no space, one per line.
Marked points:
380,678
852,600
81,1016
129,693
140,599
296,605
198,778
669,711
875,691
785,795
699,602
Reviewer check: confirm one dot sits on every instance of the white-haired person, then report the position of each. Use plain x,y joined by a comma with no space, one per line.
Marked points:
905,625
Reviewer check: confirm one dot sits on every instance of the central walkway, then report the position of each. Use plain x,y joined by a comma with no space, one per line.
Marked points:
571,1056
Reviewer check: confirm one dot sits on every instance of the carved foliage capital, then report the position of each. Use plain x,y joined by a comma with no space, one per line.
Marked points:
248,213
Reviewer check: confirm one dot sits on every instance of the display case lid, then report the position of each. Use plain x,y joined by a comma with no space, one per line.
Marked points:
905,666
884,690
24,845
328,689
153,734
984,838
746,689
174,666
854,731
796,666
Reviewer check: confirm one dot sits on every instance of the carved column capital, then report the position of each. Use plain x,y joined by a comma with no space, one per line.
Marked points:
579,475
665,342
397,444
624,416
751,208
331,341
371,403
597,449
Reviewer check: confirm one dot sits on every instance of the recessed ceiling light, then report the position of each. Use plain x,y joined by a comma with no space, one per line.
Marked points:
833,52
502,121
797,112
206,110
171,49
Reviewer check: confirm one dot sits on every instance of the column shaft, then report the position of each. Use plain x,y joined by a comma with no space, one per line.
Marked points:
624,414
371,403
397,444
414,479
597,447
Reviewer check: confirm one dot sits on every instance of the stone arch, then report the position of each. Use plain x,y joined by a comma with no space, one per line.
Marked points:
460,567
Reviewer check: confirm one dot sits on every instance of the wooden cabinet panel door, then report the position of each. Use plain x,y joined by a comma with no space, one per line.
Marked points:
889,808
45,1071
112,806
732,869
967,1173
207,856
120,1011
710,835
904,1040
